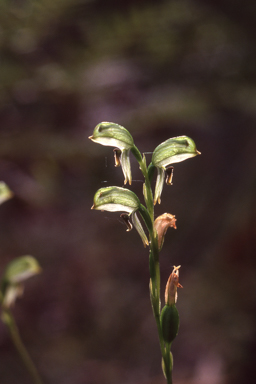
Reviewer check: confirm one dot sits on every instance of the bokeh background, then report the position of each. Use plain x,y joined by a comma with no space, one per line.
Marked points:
161,69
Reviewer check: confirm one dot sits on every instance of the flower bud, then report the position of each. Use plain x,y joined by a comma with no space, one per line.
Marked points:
161,224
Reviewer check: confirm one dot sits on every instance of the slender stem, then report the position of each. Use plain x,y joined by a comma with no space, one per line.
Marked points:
154,266
8,319
143,166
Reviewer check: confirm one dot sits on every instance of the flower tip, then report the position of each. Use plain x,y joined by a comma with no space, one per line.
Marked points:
199,153
93,206
39,269
90,137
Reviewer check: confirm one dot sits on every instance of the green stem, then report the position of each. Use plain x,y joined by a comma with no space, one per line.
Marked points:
168,363
154,267
8,319
143,166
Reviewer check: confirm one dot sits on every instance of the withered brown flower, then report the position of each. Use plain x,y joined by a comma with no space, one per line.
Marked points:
161,224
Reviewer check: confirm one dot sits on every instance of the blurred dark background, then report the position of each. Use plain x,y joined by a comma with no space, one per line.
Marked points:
160,69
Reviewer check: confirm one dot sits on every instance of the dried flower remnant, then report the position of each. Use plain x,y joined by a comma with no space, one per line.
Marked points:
171,294
161,224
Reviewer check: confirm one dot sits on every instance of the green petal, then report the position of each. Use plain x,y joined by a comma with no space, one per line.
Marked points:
174,150
113,135
114,199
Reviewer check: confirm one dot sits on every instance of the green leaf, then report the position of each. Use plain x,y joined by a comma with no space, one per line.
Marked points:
174,150
114,199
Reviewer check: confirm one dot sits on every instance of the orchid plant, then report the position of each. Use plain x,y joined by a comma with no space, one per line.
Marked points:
117,199
12,287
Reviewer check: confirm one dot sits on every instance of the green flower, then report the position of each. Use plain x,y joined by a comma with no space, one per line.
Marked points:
171,151
114,135
117,199
5,192
16,272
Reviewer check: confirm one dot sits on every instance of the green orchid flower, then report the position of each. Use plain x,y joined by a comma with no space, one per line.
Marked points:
117,199
16,272
5,192
171,151
114,135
